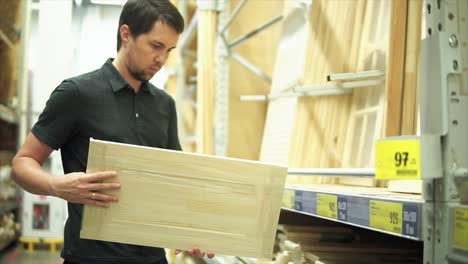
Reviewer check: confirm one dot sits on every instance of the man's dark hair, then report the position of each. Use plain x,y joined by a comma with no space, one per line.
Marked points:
140,16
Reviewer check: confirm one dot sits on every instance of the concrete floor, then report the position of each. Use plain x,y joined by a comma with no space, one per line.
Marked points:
15,255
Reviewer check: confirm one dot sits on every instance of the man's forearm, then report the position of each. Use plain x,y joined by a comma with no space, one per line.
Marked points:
30,175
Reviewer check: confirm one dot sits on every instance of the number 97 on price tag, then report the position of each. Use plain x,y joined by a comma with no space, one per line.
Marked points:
397,159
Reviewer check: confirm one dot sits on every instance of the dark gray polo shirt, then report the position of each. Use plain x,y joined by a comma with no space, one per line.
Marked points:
102,105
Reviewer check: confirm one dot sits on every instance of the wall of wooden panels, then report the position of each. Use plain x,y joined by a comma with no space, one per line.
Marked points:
10,19
340,130
247,119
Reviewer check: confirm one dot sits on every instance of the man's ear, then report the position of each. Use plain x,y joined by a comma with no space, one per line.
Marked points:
125,34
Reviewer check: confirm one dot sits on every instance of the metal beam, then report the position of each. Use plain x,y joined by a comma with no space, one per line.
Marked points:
255,32
233,15
250,66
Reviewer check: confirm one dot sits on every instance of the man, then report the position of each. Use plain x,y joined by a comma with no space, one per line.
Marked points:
115,103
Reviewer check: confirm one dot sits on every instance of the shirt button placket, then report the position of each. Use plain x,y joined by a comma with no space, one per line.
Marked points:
135,107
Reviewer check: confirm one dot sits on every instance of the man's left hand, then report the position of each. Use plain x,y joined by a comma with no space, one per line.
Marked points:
197,252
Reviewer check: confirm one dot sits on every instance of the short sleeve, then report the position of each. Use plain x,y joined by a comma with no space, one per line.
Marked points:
58,122
173,135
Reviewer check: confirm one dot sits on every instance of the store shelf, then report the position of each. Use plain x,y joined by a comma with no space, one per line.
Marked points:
372,208
8,206
7,114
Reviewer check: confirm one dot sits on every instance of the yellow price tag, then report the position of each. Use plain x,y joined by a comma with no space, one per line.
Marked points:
289,199
460,228
386,216
397,159
327,205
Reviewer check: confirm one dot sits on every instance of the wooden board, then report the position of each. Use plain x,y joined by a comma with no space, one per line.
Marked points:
247,119
396,67
367,107
342,244
179,200
406,186
289,66
321,125
206,81
410,88
412,53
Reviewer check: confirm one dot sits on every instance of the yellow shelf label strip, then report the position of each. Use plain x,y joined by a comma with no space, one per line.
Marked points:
386,216
327,205
289,199
397,159
460,228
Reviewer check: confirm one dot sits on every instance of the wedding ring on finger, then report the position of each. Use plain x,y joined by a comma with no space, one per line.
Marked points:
93,196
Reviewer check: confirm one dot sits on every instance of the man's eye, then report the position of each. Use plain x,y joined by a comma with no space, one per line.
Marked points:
157,46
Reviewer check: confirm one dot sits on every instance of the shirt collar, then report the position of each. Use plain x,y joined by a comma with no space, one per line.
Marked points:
116,81
145,87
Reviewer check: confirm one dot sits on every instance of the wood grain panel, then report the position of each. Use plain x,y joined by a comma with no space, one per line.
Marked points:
413,49
289,67
178,200
410,104
247,119
396,67
367,107
321,121
206,81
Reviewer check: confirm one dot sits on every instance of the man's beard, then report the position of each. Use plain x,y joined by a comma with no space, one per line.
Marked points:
138,75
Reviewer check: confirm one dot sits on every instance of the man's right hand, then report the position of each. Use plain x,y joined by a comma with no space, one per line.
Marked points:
79,187
75,187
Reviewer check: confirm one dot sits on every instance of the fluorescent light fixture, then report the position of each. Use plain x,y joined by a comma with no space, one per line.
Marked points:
109,2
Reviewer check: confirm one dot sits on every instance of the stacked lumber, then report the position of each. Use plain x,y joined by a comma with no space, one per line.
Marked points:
9,229
7,186
306,244
302,239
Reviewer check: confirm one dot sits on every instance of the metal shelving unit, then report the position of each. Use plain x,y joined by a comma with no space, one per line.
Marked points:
438,217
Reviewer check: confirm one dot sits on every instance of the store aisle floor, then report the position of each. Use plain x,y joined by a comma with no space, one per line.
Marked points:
15,255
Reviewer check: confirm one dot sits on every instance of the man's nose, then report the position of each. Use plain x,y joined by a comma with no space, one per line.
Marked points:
160,59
